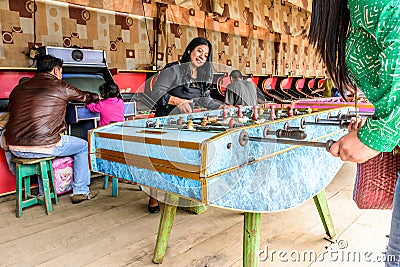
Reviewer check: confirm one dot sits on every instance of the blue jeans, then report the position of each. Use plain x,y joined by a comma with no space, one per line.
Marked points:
393,249
71,146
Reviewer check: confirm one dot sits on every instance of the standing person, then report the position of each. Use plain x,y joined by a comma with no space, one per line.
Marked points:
359,40
111,106
240,91
37,121
181,85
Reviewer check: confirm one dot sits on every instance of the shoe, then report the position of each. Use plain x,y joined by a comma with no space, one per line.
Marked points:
78,198
155,209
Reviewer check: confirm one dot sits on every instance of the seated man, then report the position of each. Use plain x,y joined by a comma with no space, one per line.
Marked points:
241,92
37,120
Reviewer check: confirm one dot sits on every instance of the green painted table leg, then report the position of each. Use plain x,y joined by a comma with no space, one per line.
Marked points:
105,184
164,229
114,187
323,210
251,239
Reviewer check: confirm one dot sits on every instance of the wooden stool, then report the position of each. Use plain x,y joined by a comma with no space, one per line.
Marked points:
25,168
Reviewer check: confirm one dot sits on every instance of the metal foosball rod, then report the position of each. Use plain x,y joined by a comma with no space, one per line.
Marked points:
183,127
354,115
353,112
211,128
327,145
343,124
348,116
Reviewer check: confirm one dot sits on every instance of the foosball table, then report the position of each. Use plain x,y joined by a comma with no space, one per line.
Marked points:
249,159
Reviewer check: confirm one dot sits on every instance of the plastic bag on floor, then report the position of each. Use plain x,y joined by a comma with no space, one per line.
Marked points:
63,169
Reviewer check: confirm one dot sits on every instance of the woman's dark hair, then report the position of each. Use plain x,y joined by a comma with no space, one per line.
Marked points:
205,72
47,63
109,90
330,21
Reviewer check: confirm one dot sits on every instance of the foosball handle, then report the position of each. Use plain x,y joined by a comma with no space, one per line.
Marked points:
293,134
344,124
329,144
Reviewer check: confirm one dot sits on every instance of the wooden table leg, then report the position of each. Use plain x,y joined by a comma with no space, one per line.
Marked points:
164,229
251,239
323,210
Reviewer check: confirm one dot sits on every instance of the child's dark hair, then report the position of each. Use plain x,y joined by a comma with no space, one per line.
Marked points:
109,90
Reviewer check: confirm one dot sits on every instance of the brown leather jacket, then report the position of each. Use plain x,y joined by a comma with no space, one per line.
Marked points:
37,110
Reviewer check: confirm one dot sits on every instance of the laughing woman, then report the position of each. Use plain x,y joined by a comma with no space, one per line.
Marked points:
181,85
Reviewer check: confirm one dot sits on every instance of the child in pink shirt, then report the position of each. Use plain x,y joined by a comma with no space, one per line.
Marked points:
111,107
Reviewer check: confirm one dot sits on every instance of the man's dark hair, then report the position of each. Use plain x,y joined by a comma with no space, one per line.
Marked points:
109,90
47,63
236,74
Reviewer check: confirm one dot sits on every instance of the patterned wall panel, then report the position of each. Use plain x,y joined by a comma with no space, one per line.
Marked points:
276,15
276,47
285,14
123,36
305,4
133,7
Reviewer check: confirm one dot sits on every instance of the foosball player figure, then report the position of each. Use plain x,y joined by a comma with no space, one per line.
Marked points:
290,110
179,121
190,125
213,119
279,113
255,113
157,124
231,123
272,113
224,113
204,121
239,114
261,111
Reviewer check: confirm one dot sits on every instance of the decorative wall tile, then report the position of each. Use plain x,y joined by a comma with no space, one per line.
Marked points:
7,37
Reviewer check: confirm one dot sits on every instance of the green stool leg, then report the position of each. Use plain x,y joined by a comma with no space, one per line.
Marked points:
18,198
323,210
52,183
251,239
164,229
27,186
115,187
105,184
46,189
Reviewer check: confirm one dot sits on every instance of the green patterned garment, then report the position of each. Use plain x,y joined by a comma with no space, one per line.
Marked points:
373,63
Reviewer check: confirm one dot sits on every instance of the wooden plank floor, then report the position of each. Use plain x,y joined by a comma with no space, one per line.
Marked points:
108,231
